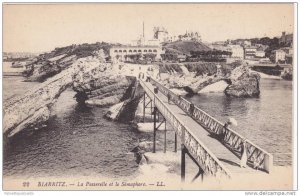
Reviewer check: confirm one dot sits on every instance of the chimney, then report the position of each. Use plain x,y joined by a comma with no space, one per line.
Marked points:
283,33
143,30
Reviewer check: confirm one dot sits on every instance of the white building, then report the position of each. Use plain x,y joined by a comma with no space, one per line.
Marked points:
260,54
160,34
247,43
250,52
237,51
188,36
122,53
279,55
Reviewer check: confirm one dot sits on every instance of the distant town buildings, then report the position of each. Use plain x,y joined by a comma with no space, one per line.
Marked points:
237,51
260,54
279,55
286,39
161,34
140,49
250,52
190,36
129,53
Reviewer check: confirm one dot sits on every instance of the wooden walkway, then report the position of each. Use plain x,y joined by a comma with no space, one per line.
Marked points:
224,155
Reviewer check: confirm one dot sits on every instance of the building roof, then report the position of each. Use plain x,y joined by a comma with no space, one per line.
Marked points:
130,46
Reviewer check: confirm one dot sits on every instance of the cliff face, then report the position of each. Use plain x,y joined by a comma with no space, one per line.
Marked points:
244,83
102,86
87,76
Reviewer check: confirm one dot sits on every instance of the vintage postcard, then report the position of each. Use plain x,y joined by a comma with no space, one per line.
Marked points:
140,96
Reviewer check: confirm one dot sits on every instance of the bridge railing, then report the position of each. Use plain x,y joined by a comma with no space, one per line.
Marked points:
257,157
205,158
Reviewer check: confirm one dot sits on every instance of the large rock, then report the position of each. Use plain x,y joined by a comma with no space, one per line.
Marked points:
21,112
189,80
215,87
244,83
32,109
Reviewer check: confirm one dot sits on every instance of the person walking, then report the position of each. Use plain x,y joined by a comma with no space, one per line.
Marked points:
191,110
169,97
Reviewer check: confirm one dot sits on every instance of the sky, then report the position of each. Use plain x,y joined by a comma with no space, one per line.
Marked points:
42,27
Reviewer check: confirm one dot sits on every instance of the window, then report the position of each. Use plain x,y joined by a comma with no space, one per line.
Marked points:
145,50
120,50
130,50
150,50
116,51
154,50
134,51
124,51
139,51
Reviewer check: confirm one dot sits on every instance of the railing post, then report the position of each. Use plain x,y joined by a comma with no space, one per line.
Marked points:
268,163
154,130
183,151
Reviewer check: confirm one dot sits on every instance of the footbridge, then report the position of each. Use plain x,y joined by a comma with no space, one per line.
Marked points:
214,147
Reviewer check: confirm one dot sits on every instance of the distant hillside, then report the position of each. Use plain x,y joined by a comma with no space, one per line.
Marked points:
185,47
18,56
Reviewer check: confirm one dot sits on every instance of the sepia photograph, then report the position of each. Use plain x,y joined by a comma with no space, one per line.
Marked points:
149,96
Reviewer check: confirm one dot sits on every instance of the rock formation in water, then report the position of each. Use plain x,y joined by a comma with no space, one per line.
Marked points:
90,77
234,80
244,83
192,77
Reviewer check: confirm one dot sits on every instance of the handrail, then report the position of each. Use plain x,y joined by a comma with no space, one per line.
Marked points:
205,158
257,157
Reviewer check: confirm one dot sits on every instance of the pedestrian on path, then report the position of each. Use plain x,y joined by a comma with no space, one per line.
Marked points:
169,97
192,107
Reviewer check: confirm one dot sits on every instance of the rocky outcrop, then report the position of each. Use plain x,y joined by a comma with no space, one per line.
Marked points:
89,77
114,111
102,86
190,78
204,77
49,64
244,83
218,87
31,109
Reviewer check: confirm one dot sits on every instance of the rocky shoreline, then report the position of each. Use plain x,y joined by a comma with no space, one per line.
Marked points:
102,84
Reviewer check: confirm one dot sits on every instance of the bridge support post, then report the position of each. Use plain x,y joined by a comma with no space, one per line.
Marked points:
175,150
154,129
151,110
183,151
144,108
165,141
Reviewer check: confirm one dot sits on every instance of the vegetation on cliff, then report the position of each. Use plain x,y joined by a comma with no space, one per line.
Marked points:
185,47
200,68
48,64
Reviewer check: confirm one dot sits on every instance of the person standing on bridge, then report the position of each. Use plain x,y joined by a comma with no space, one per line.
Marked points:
191,110
243,145
169,97
148,79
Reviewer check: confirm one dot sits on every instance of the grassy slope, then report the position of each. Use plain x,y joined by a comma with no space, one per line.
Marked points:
185,47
